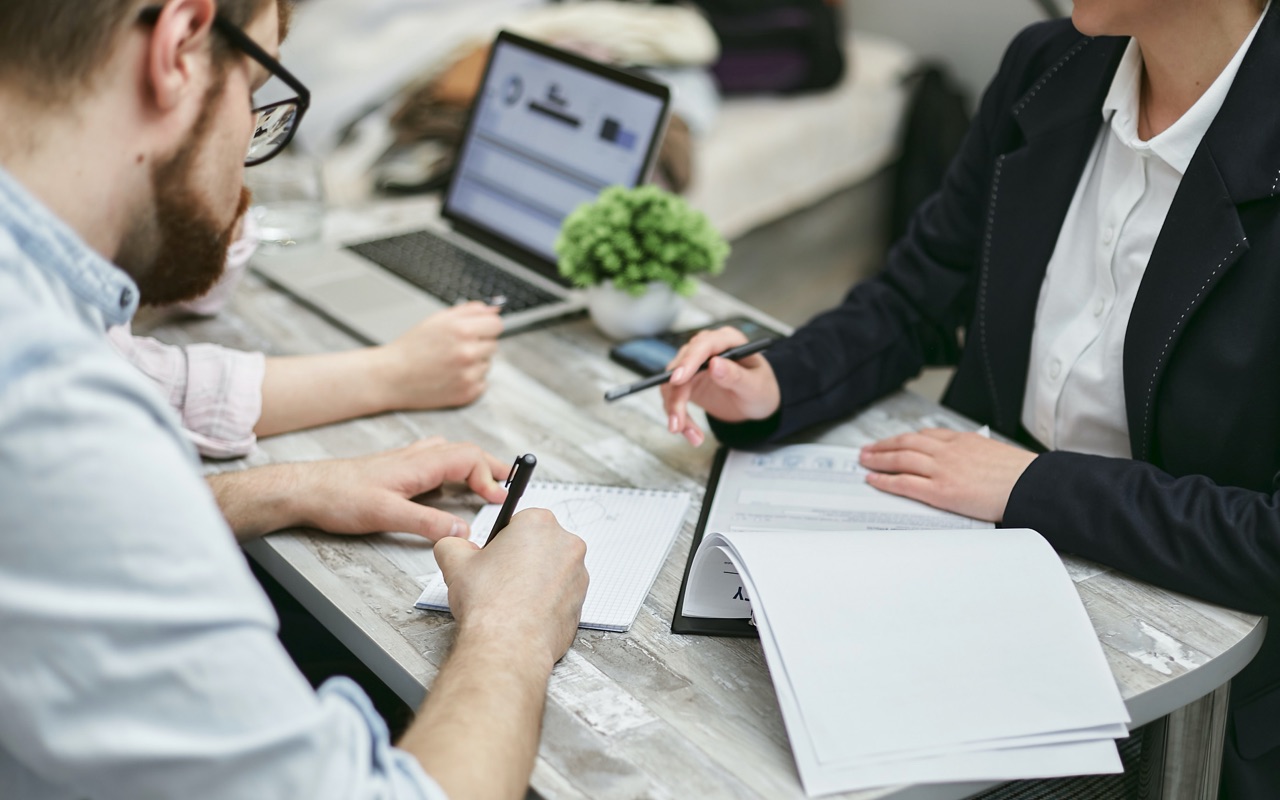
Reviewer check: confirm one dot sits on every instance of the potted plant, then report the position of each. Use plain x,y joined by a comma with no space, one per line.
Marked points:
636,252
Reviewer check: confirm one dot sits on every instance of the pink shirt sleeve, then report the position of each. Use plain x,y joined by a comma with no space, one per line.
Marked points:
217,391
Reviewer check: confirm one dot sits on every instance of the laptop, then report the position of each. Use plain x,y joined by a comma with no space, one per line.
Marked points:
548,131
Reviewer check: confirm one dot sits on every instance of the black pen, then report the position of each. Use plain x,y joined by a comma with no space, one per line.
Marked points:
734,353
521,471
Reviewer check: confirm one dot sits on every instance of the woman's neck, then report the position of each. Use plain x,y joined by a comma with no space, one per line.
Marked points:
1182,54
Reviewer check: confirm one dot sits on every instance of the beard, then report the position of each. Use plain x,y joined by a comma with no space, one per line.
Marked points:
180,252
193,247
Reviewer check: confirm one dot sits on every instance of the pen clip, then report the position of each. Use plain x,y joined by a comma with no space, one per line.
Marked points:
512,474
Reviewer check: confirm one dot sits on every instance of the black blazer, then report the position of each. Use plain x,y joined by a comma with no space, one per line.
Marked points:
1196,510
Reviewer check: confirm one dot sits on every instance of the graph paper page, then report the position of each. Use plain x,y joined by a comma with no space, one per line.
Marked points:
628,534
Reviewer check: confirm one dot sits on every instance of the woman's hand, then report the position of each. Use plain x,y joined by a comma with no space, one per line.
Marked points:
965,473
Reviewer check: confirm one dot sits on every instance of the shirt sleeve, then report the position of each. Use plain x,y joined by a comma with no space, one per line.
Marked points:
140,658
216,390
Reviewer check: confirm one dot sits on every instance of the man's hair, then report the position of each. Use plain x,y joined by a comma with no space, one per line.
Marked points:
51,49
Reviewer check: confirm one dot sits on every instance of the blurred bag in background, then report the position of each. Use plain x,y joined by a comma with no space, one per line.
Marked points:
777,46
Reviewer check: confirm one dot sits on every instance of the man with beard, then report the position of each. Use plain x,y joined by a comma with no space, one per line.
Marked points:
139,656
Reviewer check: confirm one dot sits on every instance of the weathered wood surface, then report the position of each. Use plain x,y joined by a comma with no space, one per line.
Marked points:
642,713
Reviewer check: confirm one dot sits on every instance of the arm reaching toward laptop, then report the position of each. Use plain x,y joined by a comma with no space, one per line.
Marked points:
228,397
225,397
439,363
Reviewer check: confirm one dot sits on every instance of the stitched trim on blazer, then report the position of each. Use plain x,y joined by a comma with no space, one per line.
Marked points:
982,288
1076,48
1151,385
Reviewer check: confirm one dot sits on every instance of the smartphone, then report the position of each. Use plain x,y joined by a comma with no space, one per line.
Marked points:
649,355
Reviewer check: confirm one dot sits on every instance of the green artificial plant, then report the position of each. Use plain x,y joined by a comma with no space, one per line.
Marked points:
634,236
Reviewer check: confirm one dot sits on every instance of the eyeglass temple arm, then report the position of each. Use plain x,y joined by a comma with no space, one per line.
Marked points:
151,14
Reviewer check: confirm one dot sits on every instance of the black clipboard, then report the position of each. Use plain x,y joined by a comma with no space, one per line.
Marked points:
708,626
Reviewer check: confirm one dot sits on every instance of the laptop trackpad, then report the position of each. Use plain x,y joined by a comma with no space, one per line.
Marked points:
362,293
375,306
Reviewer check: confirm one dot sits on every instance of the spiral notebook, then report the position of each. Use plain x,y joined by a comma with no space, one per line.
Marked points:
628,534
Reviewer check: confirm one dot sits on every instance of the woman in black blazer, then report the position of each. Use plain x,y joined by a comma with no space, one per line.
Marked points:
1194,507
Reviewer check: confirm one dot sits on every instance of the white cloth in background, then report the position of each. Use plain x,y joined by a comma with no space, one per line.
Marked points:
629,33
355,55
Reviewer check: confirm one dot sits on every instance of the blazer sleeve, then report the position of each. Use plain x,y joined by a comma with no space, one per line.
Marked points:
888,327
1219,543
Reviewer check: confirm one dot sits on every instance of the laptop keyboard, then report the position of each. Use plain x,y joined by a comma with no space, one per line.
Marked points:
451,273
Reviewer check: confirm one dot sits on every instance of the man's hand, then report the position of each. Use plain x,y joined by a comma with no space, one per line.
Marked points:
442,361
526,587
359,495
733,391
964,473
517,603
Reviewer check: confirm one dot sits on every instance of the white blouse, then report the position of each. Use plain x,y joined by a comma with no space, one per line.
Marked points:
1075,384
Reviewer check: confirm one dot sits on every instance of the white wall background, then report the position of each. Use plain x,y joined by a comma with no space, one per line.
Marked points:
968,36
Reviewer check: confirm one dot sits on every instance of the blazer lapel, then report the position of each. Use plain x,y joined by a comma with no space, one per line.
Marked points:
1032,187
1202,236
1201,240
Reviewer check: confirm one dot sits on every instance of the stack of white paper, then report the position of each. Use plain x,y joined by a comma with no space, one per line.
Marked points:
922,655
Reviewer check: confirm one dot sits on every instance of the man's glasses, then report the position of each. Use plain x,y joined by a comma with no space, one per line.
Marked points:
277,122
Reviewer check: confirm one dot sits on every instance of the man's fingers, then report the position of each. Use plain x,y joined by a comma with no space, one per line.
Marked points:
435,461
500,469
431,523
480,470
452,553
483,478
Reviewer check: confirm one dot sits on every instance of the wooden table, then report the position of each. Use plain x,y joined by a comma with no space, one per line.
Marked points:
646,713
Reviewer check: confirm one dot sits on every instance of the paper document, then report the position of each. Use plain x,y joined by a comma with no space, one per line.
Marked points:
919,656
628,534
804,487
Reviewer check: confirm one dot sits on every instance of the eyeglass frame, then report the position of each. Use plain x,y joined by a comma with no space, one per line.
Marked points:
241,40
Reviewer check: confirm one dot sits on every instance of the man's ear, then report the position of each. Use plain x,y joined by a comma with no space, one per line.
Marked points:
178,53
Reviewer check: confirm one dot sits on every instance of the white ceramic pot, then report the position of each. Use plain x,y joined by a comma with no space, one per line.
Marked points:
620,315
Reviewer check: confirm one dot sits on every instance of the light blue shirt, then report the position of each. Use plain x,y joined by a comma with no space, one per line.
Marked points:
138,656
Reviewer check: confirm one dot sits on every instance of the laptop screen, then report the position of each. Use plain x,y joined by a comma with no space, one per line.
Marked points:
548,132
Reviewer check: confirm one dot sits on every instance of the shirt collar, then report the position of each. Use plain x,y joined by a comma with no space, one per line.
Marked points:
1177,143
54,247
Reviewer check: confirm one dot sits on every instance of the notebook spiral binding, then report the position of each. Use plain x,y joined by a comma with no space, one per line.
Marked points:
598,489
